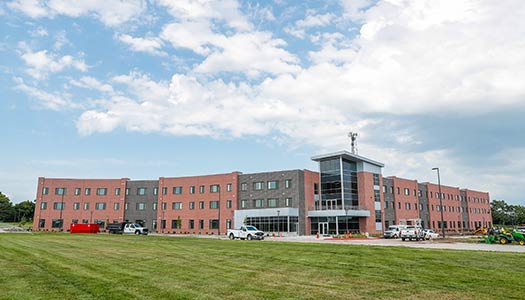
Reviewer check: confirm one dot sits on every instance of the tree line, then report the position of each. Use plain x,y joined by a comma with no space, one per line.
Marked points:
21,212
507,214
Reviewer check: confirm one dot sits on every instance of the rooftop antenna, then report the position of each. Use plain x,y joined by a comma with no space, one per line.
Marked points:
353,138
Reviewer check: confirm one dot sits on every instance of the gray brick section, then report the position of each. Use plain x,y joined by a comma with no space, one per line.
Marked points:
132,214
296,192
424,214
464,207
390,213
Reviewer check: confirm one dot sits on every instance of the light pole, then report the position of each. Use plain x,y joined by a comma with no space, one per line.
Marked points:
346,213
61,208
278,224
440,202
219,227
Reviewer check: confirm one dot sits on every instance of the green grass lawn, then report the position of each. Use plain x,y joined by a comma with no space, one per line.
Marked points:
66,266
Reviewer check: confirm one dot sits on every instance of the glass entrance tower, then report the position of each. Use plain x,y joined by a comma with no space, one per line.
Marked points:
349,194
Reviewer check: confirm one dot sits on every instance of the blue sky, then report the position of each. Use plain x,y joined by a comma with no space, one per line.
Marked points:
142,89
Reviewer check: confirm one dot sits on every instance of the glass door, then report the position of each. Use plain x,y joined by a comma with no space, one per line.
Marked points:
323,228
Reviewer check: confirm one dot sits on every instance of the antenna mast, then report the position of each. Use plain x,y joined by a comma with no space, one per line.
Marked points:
353,138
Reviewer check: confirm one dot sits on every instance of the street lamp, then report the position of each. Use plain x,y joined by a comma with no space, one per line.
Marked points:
61,208
440,202
278,224
219,227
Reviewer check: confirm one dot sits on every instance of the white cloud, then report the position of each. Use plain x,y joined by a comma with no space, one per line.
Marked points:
206,11
61,40
41,63
53,101
109,12
92,83
150,45
32,8
38,32
315,20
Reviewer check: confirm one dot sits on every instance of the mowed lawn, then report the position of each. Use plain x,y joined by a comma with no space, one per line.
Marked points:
66,266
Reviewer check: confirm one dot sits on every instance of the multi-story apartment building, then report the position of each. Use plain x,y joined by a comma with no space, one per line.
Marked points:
348,194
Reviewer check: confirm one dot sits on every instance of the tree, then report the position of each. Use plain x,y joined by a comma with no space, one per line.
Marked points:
24,211
505,214
6,209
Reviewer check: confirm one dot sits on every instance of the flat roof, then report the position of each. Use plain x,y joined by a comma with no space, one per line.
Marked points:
349,156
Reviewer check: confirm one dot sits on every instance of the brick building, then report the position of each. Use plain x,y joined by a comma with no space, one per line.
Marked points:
348,194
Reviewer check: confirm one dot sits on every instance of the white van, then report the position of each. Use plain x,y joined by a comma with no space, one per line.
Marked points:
393,231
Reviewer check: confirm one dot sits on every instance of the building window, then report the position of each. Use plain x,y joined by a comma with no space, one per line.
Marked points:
258,185
154,206
192,205
87,191
391,190
192,189
407,206
273,185
175,224
45,191
259,203
288,202
316,188
288,183
229,187
41,223
201,190
177,190
57,223
201,204
163,224
102,191
378,216
60,191
177,205
164,206
376,179
141,191
244,186
228,204
155,191
126,205
43,205
116,206
76,206
398,205
100,206
377,196
164,191
214,188
228,224
117,192
398,191
127,191
214,224
407,192
384,188
201,224
86,205
273,202
214,204
420,193
141,206
192,224
77,191
244,203
58,205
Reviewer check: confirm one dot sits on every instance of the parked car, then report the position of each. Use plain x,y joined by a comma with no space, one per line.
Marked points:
412,232
393,231
430,234
245,232
121,228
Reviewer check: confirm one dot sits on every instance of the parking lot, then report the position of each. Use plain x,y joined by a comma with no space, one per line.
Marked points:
449,244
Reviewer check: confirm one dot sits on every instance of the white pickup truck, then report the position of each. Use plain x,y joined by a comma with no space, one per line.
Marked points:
246,232
121,228
412,233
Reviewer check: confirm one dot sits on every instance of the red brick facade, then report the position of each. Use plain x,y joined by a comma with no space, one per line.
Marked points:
84,201
201,206
405,200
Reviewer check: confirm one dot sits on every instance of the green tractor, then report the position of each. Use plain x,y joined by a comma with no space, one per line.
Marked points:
518,237
500,236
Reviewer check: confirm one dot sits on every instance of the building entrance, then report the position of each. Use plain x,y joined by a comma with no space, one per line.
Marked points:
323,228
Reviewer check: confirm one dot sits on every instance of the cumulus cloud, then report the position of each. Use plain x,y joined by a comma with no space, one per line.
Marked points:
41,63
92,83
109,12
151,45
53,101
